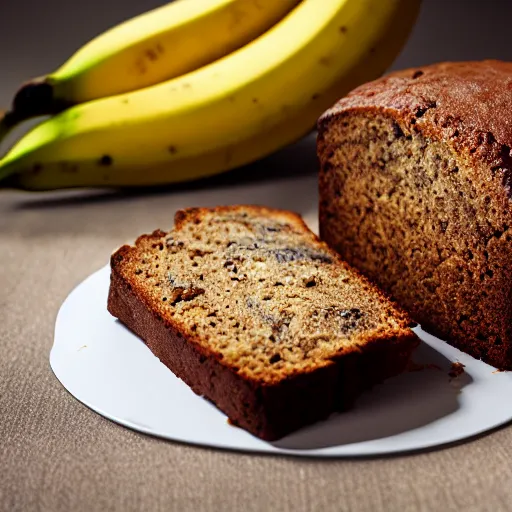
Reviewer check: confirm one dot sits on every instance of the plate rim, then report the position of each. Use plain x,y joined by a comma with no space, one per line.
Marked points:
266,448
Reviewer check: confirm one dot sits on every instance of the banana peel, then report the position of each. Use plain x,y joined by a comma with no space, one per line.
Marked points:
230,113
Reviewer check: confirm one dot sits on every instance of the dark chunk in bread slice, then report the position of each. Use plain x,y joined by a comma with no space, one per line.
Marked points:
415,192
253,312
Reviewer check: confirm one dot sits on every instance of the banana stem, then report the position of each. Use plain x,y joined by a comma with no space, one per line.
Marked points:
36,98
33,99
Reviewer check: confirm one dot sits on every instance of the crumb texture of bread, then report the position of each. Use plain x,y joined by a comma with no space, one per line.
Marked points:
415,190
253,312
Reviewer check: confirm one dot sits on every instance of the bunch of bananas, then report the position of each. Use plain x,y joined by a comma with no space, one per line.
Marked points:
198,87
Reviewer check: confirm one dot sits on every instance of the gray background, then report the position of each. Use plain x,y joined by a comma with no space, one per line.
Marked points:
37,36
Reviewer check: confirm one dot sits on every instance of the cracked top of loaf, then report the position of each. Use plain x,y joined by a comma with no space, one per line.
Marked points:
467,104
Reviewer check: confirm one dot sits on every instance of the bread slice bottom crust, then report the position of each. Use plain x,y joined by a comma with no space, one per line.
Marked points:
269,410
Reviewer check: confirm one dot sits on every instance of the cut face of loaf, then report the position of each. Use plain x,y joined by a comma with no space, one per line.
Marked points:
415,189
253,312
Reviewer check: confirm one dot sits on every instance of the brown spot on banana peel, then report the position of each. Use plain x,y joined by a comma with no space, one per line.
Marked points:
68,168
140,66
147,57
237,16
151,55
173,150
228,156
106,160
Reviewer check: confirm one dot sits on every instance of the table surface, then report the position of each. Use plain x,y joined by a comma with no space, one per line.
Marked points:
56,454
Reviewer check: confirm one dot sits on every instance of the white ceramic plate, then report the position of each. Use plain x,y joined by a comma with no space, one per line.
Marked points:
111,371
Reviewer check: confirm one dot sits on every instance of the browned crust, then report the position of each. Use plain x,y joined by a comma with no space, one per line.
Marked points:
470,342
193,213
267,409
465,104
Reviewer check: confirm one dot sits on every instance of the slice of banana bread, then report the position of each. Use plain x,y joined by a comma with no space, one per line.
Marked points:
253,312
415,191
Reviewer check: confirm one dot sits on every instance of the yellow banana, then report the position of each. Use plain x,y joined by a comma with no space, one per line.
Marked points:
240,108
161,44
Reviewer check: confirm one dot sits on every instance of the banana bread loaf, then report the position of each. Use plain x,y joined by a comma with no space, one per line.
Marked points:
253,312
415,192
